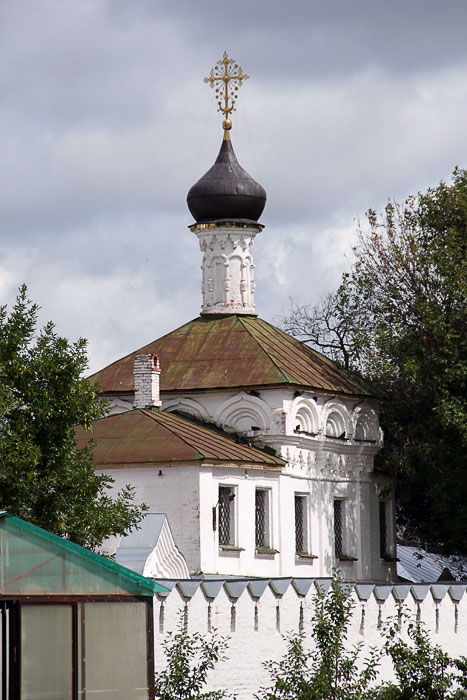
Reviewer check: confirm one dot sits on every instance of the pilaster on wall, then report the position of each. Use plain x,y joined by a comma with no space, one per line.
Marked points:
256,613
228,284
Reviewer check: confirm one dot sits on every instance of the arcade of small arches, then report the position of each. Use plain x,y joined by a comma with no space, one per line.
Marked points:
247,414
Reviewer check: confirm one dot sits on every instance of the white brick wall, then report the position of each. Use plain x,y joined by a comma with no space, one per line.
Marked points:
243,673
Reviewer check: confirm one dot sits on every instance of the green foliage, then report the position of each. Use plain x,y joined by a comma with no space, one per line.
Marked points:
329,670
401,316
332,671
44,477
189,659
423,671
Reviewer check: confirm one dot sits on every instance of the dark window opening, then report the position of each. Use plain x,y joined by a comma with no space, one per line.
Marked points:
338,549
300,539
260,518
226,517
383,530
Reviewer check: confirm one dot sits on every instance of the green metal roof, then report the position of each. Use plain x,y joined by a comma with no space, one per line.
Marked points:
227,352
152,436
36,562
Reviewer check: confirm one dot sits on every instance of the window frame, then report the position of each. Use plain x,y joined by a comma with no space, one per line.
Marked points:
385,506
303,498
341,552
227,492
267,545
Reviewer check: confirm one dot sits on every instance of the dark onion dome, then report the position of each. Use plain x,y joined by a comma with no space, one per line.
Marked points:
226,192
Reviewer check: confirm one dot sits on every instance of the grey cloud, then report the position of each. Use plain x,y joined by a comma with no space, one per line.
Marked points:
105,124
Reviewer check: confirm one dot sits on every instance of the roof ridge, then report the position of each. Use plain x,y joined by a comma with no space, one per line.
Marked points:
243,321
345,375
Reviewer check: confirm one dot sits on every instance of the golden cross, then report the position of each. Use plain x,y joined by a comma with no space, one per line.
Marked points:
226,71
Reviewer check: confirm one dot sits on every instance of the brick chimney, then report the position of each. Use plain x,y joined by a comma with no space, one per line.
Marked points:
146,371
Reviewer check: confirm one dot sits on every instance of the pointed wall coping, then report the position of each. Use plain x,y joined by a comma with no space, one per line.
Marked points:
169,585
188,588
439,590
304,586
364,590
400,591
279,586
323,585
235,588
211,588
457,590
382,592
420,591
256,588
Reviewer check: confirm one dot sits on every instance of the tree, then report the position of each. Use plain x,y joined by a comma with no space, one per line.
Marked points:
422,670
44,477
330,670
328,326
189,659
403,307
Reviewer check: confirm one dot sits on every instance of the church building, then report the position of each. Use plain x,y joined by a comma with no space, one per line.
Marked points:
256,451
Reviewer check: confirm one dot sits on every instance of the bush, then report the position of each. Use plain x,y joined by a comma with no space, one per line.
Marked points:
329,670
189,659
423,671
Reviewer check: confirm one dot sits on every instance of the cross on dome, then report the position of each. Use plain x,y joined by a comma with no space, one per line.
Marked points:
226,76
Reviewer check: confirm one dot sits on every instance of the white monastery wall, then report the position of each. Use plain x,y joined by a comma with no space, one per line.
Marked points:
256,614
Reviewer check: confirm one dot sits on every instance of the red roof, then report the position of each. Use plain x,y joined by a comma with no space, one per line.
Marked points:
226,352
150,436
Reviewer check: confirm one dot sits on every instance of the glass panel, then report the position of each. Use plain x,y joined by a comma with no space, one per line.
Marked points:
299,524
226,529
34,561
382,529
260,521
338,528
115,652
46,653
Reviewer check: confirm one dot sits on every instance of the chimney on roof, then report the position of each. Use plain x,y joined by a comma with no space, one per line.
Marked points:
146,371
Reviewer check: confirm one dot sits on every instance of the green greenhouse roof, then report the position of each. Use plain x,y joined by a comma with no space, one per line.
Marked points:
34,561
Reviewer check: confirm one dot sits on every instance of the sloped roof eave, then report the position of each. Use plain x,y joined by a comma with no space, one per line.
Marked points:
159,437
234,352
220,463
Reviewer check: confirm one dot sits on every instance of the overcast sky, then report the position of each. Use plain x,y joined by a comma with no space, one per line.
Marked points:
105,123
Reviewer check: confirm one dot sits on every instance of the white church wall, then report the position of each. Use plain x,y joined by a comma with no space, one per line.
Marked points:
255,624
316,435
244,560
170,490
188,495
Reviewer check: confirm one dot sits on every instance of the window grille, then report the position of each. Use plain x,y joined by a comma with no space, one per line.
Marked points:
338,528
226,496
383,533
299,524
260,518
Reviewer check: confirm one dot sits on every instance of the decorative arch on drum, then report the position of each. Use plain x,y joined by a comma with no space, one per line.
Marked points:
336,419
365,423
188,406
305,417
242,411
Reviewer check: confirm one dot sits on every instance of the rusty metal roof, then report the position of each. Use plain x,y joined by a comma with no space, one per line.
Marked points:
150,436
226,352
